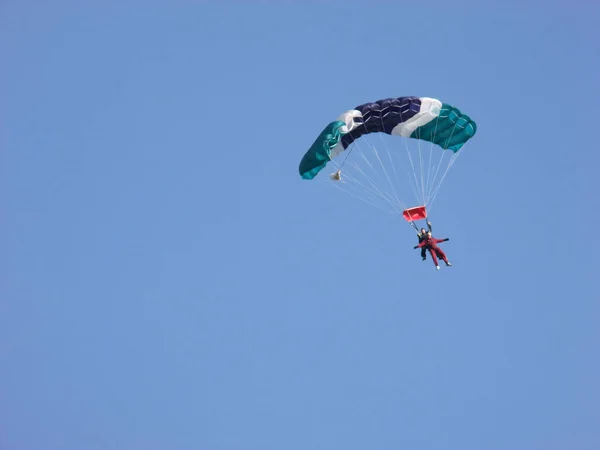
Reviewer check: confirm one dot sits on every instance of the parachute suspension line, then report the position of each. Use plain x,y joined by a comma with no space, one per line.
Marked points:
370,198
383,195
386,175
450,163
366,200
416,181
398,203
391,158
439,165
421,165
374,171
436,165
373,194
373,191
429,180
370,192
405,169
341,166
391,161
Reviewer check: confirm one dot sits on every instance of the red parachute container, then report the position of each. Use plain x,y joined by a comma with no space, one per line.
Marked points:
416,213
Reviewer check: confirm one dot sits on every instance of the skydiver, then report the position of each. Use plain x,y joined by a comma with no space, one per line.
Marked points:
430,243
422,235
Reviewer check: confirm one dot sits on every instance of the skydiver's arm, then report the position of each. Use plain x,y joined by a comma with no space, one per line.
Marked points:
429,226
437,241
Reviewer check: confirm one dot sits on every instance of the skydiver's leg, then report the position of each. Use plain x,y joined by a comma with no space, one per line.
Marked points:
440,254
443,256
423,253
435,261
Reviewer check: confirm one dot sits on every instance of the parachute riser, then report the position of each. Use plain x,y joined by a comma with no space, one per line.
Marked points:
412,223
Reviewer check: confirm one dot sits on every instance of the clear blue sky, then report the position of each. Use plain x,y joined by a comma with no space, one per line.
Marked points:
169,282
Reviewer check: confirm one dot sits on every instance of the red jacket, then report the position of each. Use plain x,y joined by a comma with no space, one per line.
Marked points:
431,242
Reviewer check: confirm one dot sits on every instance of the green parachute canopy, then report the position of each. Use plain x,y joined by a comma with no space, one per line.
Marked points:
400,124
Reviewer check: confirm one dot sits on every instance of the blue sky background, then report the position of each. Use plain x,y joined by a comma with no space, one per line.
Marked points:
169,282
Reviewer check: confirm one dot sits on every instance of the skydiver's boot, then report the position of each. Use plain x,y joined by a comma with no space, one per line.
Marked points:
448,263
437,267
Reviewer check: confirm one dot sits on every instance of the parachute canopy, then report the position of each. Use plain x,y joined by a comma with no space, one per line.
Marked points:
421,118
412,134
